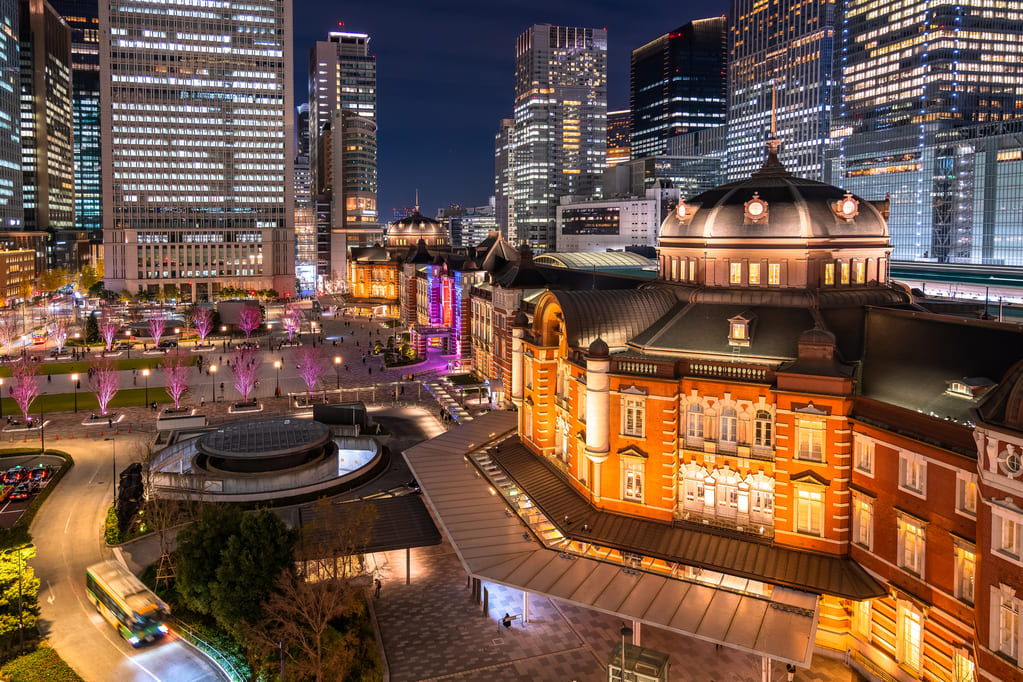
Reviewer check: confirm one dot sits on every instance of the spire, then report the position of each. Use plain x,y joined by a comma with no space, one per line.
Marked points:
417,200
772,166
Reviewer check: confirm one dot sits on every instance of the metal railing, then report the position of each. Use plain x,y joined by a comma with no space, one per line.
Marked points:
220,659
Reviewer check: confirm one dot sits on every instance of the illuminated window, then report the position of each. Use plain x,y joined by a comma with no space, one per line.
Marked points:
694,422
863,521
735,273
966,493
861,619
965,571
729,424
912,473
911,535
763,426
774,274
1005,533
964,668
754,273
633,416
829,273
1008,622
845,273
633,481
810,440
810,511
909,630
738,331
863,455
861,272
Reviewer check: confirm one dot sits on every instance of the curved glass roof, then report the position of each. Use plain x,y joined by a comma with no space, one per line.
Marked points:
599,260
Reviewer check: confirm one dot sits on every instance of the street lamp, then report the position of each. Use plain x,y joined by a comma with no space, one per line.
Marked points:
626,632
213,382
277,366
145,373
337,370
128,334
74,381
1,397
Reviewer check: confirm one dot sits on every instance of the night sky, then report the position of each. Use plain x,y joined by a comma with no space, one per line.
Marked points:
445,78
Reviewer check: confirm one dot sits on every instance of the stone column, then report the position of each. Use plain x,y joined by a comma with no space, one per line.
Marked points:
518,381
598,407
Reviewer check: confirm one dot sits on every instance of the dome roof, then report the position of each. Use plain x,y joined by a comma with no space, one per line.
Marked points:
774,204
599,349
416,226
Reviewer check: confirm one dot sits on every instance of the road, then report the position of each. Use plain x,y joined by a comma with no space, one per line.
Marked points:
67,538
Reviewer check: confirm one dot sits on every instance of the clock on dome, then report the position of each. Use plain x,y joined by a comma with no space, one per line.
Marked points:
847,207
756,209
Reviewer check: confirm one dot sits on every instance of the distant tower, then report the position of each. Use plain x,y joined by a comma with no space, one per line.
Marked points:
618,137
503,178
11,210
560,135
798,58
678,84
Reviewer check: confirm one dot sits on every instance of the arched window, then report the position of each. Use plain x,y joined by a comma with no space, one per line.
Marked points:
694,423
761,499
763,429
729,427
693,478
727,483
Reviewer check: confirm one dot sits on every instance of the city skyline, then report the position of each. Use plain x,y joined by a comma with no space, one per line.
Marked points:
465,65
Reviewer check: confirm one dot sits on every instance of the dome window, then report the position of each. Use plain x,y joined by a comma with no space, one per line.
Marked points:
847,208
740,329
756,210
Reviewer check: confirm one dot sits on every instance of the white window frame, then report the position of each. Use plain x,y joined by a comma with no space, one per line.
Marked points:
1005,534
810,436
774,274
909,623
810,501
863,521
694,423
965,570
632,479
735,273
863,455
761,499
728,435
911,547
754,273
633,416
1005,622
966,494
862,617
763,429
913,473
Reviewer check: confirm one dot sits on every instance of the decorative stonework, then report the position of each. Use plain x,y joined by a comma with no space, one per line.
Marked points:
756,210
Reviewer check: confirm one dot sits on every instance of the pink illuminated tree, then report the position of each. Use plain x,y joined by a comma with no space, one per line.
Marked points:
245,366
202,319
24,386
105,381
291,319
108,329
8,330
60,325
157,325
175,373
249,319
310,367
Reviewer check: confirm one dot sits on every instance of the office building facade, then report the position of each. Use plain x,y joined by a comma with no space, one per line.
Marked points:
560,134
198,172
47,119
82,16
11,210
503,178
609,224
780,59
928,115
618,138
678,84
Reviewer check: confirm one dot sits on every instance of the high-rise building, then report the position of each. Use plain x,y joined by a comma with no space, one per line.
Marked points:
783,48
302,129
503,185
618,138
928,115
678,84
197,173
47,120
342,142
11,210
82,16
560,135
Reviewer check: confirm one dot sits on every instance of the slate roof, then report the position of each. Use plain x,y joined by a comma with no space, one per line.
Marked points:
615,316
799,569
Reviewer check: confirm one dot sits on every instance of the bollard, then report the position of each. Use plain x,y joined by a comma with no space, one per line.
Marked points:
57,437
72,435
100,433
115,432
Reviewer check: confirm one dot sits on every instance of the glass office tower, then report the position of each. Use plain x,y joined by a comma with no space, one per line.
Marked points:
11,211
199,123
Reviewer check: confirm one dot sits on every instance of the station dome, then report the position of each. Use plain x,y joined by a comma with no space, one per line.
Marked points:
409,230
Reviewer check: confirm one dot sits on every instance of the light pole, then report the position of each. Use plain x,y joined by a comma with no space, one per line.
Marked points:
277,366
74,382
626,631
337,370
128,334
1,397
213,382
145,373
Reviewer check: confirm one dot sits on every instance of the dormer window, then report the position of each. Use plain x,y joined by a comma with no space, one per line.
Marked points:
968,388
740,329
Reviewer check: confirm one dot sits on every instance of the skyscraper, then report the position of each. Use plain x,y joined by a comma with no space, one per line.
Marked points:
678,84
932,117
503,185
618,137
560,135
198,172
343,161
11,211
787,46
82,16
47,120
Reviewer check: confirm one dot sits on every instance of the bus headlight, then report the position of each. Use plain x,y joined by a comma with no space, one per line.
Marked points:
162,629
134,640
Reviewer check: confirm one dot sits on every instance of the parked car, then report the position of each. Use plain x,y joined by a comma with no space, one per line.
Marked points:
40,474
170,343
15,475
23,491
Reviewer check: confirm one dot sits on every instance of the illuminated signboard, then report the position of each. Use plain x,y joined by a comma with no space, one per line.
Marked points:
590,221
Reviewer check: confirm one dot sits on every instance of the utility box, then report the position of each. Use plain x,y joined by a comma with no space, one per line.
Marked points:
641,665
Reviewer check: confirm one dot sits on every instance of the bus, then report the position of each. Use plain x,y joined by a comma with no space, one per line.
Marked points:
39,336
125,602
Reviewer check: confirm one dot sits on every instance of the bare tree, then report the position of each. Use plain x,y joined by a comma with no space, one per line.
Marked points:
8,329
105,380
108,328
60,325
157,325
175,372
249,319
25,386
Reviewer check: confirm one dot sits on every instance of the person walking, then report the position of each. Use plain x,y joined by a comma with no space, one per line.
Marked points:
378,585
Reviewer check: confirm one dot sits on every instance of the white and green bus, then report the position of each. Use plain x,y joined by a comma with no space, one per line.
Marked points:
125,602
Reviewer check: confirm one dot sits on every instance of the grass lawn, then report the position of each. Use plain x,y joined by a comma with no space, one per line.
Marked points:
82,366
41,665
65,402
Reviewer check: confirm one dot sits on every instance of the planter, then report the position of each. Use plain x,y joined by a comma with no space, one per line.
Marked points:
208,348
20,427
185,418
62,356
155,351
172,412
251,406
101,420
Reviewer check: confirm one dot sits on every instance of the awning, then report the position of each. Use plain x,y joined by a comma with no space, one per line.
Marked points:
494,545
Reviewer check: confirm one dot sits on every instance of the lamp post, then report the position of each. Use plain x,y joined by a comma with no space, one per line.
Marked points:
213,382
277,390
145,373
128,334
626,631
337,370
74,382
1,397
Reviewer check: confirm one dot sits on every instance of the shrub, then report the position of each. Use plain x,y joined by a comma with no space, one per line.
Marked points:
111,532
41,665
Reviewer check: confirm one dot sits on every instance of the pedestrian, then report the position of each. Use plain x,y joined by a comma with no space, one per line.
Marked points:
134,381
507,620
791,670
378,585
110,421
49,378
370,370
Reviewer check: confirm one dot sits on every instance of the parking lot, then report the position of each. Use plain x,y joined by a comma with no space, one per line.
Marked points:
12,509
